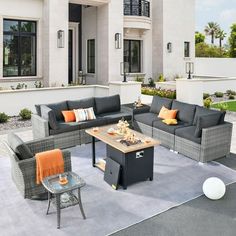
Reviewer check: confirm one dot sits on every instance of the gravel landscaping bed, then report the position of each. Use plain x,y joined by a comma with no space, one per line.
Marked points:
15,122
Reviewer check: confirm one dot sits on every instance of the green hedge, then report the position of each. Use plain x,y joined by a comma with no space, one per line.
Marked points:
159,92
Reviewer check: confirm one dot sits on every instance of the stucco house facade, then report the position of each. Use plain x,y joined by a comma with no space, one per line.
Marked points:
52,40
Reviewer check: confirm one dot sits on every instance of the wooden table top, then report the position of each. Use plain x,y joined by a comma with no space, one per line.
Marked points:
113,139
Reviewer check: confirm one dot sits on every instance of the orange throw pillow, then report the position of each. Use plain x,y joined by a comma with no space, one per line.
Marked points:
167,114
69,116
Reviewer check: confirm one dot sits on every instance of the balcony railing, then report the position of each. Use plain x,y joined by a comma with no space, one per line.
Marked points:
136,8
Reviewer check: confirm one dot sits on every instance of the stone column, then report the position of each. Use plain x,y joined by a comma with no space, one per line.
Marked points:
110,19
55,60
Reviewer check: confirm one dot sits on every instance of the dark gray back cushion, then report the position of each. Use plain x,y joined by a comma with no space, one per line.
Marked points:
201,111
206,121
19,147
185,111
83,103
49,115
158,103
107,104
56,107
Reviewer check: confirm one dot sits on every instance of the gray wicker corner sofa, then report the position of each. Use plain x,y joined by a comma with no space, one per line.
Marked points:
49,121
201,134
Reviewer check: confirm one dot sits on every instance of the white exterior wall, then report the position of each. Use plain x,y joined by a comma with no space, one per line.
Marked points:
191,90
173,22
44,96
167,23
215,67
28,10
51,16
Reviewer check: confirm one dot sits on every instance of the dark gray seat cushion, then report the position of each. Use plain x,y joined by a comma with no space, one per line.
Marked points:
188,133
114,117
92,123
49,115
64,127
146,118
206,121
158,103
169,128
73,126
107,104
200,111
19,147
186,111
82,103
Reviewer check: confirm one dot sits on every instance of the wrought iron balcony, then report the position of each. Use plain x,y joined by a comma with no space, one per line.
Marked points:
136,8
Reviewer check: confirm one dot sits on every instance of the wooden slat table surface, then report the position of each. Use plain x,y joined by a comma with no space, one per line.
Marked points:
111,139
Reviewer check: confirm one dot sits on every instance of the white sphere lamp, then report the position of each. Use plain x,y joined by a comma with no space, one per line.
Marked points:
214,188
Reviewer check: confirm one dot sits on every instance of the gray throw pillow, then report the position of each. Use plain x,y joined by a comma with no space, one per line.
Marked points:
19,147
49,115
206,121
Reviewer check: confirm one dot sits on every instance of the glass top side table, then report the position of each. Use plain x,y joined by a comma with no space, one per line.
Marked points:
63,196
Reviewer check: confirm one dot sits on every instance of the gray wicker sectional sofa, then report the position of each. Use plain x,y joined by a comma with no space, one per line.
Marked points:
201,134
49,120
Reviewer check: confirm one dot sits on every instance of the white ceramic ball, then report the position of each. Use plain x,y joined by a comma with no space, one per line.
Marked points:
214,188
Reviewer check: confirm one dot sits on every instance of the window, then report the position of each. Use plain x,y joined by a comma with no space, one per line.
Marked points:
19,48
91,56
136,8
186,49
132,55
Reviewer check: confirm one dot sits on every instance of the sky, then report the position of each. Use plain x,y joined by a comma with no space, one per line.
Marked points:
221,11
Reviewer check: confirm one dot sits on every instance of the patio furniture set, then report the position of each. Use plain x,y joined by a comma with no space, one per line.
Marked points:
200,134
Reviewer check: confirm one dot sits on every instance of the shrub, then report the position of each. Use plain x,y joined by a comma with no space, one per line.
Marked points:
206,95
151,82
161,78
207,102
38,84
3,117
231,92
219,94
222,106
159,92
25,114
139,79
231,97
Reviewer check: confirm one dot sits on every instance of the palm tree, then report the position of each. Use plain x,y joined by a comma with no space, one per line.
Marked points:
221,35
211,29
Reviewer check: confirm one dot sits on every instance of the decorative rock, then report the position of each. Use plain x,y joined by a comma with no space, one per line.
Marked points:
214,188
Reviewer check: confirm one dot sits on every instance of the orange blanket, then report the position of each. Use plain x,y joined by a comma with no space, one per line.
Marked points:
49,163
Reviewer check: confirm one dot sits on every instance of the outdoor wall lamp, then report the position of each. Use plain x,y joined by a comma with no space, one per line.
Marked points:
60,39
169,47
118,40
189,69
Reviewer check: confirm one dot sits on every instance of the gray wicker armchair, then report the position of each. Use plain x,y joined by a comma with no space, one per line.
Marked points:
23,172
